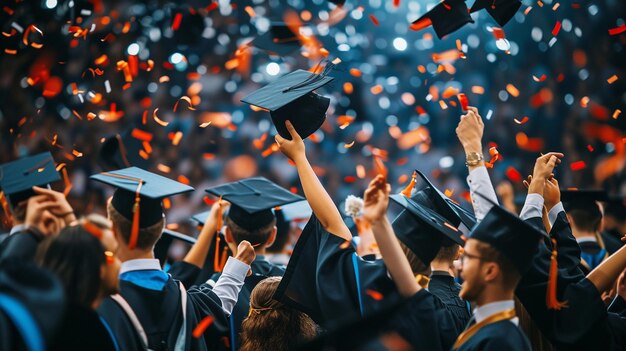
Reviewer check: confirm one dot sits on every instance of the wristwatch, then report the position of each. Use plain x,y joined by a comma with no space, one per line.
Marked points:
473,158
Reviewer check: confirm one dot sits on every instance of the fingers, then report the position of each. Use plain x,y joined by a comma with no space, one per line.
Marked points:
46,191
292,131
279,140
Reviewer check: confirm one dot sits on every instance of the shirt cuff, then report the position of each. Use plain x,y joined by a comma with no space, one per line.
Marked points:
236,268
554,212
533,206
479,172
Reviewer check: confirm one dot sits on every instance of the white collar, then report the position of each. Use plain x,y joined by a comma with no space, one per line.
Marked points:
484,311
17,228
587,239
140,264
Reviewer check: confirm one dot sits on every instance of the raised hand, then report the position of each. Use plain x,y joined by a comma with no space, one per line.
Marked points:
545,164
470,130
39,215
245,252
376,199
551,193
62,208
294,148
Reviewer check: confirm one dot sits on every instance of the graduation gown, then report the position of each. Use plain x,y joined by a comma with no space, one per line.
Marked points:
612,241
443,286
499,336
327,280
261,269
21,245
82,329
159,312
585,324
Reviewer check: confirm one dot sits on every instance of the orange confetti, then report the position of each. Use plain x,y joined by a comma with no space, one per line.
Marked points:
250,11
348,145
448,56
270,150
374,294
186,99
380,167
202,326
512,90
448,192
584,101
540,79
141,135
348,88
376,89
463,101
177,137
612,79
157,119
477,89
163,168
524,120
449,92
258,143
616,113
77,153
345,244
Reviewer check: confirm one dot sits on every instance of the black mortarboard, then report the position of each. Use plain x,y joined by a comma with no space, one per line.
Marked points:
123,150
501,10
584,200
423,230
426,194
252,200
138,189
446,17
616,206
511,236
18,177
291,97
278,39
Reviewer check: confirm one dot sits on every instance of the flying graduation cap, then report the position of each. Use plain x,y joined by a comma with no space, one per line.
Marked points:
17,178
423,230
139,196
446,17
500,10
252,201
292,97
279,39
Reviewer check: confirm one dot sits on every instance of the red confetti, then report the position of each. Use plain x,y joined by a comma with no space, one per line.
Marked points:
396,3
524,120
177,19
202,326
374,294
463,101
577,166
590,148
618,30
374,20
513,174
556,29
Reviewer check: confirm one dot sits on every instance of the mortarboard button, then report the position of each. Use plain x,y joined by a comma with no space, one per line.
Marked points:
278,39
18,177
252,200
291,97
500,10
446,17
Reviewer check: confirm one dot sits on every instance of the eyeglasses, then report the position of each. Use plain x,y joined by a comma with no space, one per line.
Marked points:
469,255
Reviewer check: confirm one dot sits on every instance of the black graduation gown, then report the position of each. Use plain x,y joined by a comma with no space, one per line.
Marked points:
612,241
327,280
447,290
499,336
184,272
261,269
21,245
585,324
426,323
82,329
160,315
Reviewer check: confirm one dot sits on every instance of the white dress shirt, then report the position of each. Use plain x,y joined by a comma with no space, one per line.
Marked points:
485,311
479,182
17,228
533,207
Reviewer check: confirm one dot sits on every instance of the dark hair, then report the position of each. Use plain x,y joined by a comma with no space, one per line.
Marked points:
417,266
147,237
586,220
75,256
272,325
258,236
510,275
448,253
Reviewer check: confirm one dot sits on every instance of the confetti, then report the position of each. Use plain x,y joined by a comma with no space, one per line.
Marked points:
616,113
513,174
202,326
463,101
187,100
374,294
157,119
556,29
511,89
618,30
577,166
476,89
540,79
522,121
348,145
376,89
612,79
374,20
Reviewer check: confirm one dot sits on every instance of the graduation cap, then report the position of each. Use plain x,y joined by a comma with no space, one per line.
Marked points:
279,39
422,191
17,178
584,200
616,206
252,200
501,10
423,230
121,151
291,97
446,17
137,187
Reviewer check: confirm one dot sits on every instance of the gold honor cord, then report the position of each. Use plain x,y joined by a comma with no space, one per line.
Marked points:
471,331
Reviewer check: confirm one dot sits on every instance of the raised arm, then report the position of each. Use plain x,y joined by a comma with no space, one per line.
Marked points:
198,252
376,201
470,134
321,203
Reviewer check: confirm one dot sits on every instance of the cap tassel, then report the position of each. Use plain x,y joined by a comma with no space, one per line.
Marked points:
551,299
134,232
409,188
5,206
223,258
216,260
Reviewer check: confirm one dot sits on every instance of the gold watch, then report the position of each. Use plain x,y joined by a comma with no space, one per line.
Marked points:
473,158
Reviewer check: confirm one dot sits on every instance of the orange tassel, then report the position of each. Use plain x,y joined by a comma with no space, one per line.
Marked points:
134,233
409,188
7,213
551,299
202,326
216,259
223,258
